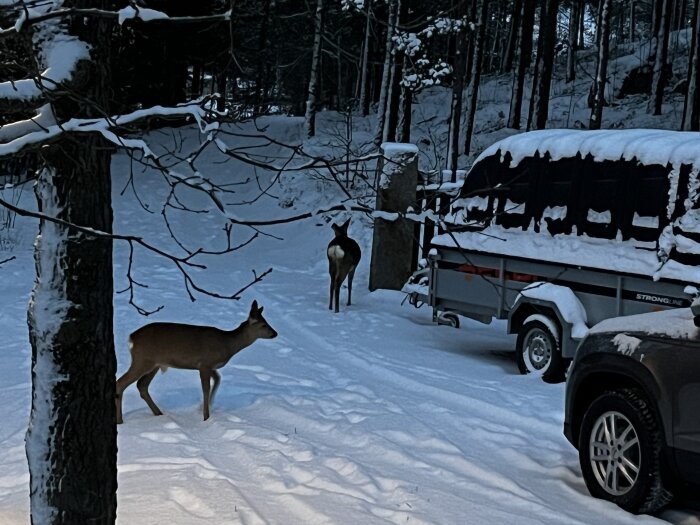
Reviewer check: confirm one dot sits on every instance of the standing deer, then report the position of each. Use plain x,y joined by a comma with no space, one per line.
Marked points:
343,257
204,348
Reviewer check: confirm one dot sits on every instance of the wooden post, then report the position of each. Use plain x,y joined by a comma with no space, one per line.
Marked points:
392,245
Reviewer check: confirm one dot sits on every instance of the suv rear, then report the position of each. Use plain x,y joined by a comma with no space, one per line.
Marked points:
633,407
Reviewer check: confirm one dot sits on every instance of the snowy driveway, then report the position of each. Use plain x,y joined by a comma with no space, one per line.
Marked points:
369,416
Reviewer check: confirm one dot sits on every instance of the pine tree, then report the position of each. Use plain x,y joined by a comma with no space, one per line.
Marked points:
602,65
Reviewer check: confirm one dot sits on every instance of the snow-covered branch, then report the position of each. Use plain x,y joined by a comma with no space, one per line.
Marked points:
141,14
18,138
61,56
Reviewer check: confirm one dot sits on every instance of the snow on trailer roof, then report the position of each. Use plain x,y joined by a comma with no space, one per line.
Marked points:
648,146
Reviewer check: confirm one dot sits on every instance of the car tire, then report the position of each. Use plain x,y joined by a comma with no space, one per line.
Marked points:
608,462
538,352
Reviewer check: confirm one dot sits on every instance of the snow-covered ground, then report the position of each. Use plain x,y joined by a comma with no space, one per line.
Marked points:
373,415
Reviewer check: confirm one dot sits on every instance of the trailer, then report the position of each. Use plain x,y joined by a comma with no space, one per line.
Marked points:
556,230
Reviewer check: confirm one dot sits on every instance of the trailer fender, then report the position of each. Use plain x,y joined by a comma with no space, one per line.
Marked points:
560,304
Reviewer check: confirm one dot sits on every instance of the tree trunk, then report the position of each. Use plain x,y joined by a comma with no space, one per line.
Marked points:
386,74
509,51
392,118
71,442
658,82
263,62
496,39
546,65
404,127
476,73
527,18
221,83
196,86
602,67
683,14
575,11
364,72
691,109
459,73
620,22
656,15
473,13
633,21
310,116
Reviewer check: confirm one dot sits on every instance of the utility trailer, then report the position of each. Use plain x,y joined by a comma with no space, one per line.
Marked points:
556,230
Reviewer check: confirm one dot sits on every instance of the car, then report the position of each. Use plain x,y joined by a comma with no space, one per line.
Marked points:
632,407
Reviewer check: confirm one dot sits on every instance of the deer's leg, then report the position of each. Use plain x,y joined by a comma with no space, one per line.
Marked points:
135,371
205,377
336,291
217,380
330,270
351,274
142,385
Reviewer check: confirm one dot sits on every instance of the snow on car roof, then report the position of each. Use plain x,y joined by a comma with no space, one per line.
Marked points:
648,146
677,322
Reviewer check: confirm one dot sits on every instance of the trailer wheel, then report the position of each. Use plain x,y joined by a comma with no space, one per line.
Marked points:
448,319
538,352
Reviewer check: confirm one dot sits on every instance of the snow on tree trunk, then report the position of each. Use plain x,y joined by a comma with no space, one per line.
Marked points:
476,74
71,441
602,68
310,117
691,110
386,72
658,82
527,17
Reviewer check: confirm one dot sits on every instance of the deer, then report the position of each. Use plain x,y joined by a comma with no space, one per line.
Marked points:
343,257
158,346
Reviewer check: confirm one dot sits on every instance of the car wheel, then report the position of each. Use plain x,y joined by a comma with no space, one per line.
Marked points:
620,452
538,352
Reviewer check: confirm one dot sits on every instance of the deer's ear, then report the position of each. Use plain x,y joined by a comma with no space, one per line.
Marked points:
345,225
253,309
336,229
260,310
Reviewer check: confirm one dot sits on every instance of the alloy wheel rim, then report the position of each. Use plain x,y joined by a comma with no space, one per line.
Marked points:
615,453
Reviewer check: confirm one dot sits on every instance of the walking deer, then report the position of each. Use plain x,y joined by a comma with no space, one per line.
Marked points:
204,348
343,257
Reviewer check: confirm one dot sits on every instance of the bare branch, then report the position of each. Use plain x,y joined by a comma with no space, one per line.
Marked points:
294,218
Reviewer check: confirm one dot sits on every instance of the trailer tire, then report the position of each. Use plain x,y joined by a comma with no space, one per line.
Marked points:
538,352
448,319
